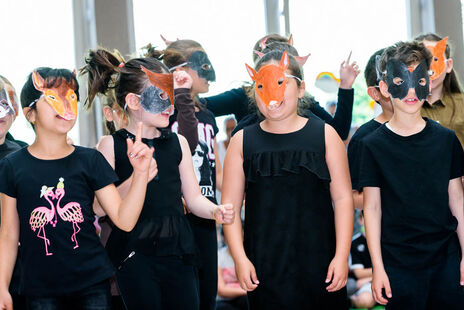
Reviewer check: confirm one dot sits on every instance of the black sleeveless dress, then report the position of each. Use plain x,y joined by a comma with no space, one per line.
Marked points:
289,218
162,228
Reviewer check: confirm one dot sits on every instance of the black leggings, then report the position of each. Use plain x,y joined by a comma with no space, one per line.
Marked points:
206,240
150,282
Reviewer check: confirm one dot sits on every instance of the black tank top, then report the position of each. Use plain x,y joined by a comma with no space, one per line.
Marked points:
289,218
162,228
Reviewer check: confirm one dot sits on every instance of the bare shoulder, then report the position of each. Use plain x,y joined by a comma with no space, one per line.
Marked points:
105,143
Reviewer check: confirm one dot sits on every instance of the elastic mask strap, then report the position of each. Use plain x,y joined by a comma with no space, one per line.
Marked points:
292,76
178,66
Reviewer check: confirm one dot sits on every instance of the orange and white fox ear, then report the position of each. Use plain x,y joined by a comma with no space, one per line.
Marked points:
38,81
284,61
251,72
441,45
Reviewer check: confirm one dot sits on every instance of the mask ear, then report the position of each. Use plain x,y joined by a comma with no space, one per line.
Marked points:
38,81
284,61
260,54
290,40
302,59
251,72
441,45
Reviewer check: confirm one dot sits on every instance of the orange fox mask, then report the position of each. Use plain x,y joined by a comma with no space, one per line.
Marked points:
438,61
62,99
271,82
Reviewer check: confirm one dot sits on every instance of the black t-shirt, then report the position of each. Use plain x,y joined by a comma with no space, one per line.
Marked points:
60,249
413,175
355,148
359,252
8,147
204,159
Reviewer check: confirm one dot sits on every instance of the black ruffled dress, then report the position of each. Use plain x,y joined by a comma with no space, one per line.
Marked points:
289,218
162,228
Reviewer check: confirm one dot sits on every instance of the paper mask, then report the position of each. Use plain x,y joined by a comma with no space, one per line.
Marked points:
199,62
6,106
62,99
411,79
160,96
270,82
438,61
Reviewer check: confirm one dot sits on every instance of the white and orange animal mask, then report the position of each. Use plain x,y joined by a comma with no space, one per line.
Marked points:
62,99
438,61
271,82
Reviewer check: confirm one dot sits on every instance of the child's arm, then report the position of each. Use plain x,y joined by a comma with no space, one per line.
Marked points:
218,167
361,273
125,213
358,199
372,222
106,147
233,192
9,237
185,107
196,202
340,190
456,202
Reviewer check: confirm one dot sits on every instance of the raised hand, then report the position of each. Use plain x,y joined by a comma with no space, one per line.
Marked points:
182,79
224,214
348,73
140,156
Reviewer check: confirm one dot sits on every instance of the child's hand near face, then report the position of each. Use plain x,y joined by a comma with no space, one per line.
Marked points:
182,79
140,156
348,73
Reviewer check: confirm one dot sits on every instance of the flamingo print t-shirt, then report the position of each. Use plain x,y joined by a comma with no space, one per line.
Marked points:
60,250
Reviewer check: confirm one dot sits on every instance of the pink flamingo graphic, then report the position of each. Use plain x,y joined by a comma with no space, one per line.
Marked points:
71,212
41,216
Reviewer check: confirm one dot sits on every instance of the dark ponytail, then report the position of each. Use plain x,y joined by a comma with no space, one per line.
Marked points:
107,72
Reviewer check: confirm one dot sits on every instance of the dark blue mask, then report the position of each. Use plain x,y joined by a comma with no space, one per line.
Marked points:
199,62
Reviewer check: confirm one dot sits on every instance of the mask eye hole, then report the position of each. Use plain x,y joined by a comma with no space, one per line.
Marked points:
163,96
280,81
51,97
435,59
206,67
259,86
398,81
422,82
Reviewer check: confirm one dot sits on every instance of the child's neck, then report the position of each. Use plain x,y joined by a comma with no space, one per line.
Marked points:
383,117
2,139
437,92
147,132
290,124
405,124
50,146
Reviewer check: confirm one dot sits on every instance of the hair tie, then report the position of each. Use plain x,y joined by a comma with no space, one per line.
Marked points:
121,65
